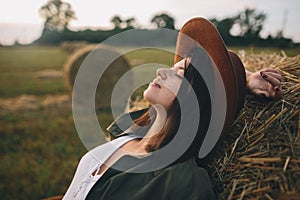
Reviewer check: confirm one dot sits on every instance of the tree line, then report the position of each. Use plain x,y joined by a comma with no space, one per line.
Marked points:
240,30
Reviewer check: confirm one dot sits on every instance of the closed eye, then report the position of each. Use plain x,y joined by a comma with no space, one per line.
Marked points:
179,76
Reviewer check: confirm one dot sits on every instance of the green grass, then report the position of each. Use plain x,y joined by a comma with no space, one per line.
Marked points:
39,149
31,58
16,83
19,67
39,152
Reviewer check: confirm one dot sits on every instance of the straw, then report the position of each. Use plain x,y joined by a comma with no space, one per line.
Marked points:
260,159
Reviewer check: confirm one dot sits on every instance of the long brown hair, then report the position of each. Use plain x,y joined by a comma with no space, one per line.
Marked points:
164,136
169,130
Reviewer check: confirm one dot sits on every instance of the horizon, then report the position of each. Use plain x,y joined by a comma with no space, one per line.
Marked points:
26,26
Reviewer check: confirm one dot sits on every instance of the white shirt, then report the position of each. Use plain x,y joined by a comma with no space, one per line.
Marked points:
84,179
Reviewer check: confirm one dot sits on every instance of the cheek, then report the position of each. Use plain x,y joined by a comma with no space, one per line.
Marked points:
163,97
169,96
173,86
166,98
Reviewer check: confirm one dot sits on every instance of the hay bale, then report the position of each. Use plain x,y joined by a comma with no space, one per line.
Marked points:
260,159
72,46
108,80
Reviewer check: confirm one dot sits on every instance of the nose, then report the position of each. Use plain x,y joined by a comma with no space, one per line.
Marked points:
163,72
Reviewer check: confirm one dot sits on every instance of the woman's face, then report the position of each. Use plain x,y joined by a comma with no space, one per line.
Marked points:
164,88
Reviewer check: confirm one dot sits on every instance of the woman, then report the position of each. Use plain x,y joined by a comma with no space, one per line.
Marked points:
112,170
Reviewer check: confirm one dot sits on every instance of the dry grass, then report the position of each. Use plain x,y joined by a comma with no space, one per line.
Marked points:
260,159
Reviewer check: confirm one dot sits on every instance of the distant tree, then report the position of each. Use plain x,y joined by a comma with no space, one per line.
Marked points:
250,23
130,23
116,21
163,21
17,43
57,15
224,26
279,34
120,23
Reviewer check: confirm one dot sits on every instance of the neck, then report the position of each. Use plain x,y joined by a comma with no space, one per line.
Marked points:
160,120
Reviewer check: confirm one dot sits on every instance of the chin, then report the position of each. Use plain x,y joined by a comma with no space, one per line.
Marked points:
147,96
151,96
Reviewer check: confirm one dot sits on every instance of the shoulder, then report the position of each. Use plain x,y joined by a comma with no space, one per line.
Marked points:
190,180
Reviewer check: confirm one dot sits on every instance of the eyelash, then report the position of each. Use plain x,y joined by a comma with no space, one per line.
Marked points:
178,76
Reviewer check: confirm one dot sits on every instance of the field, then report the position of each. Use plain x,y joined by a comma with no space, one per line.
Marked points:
39,147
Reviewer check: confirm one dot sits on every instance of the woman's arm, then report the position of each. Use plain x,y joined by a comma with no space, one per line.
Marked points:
266,83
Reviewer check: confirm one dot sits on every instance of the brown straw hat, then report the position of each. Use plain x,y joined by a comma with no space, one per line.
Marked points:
200,32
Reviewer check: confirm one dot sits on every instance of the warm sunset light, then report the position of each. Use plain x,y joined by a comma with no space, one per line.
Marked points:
149,99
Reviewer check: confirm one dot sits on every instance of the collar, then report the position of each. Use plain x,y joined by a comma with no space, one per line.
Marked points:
124,121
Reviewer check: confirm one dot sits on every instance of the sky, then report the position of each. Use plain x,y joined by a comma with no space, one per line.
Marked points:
20,20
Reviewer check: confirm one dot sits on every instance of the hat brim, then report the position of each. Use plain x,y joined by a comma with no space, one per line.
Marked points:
199,32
